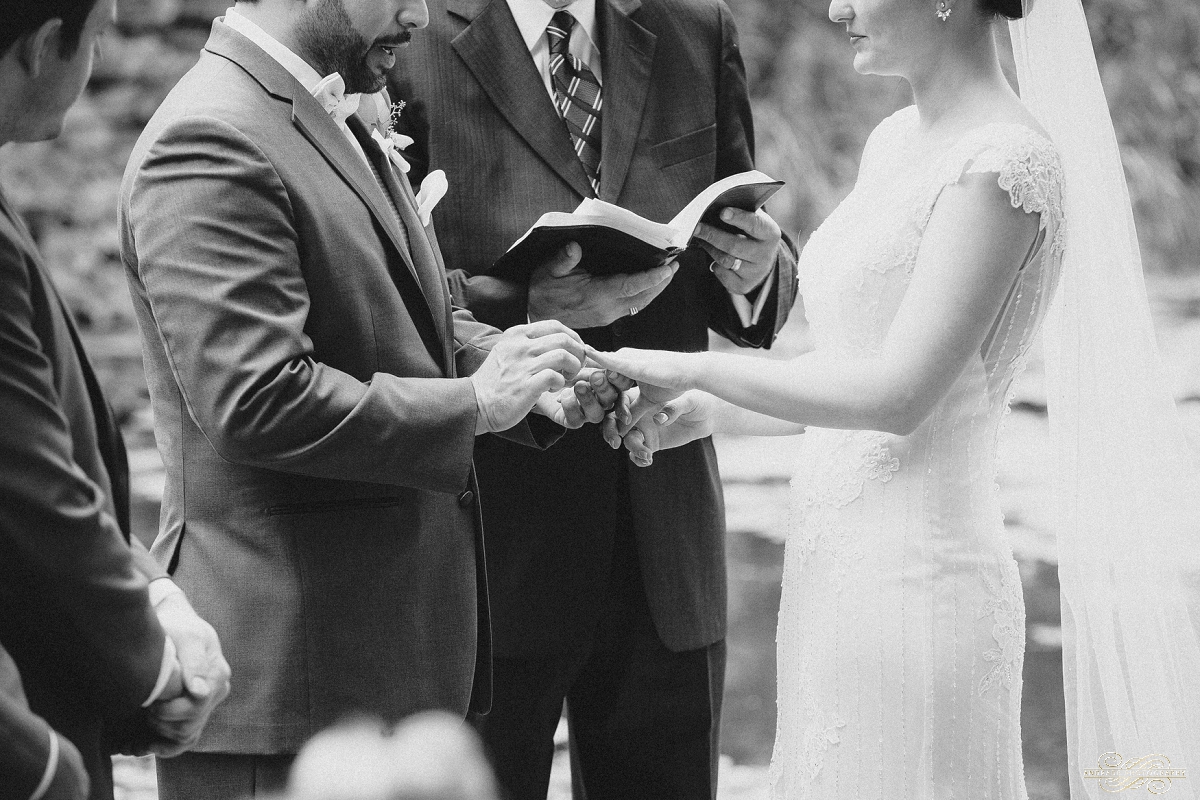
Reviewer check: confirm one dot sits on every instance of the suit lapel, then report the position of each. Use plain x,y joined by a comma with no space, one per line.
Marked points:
314,123
421,250
492,48
627,54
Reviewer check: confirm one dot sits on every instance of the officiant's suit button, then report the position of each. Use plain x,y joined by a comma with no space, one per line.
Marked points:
466,498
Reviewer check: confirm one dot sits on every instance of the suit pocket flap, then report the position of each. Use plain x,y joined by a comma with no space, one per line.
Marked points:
684,148
325,506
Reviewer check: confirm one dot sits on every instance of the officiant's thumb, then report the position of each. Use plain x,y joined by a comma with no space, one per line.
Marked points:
566,260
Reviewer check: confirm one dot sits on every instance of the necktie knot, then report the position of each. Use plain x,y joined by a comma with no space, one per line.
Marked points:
559,31
331,94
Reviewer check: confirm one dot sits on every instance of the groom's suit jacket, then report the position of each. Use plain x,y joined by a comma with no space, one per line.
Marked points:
303,363
74,612
676,118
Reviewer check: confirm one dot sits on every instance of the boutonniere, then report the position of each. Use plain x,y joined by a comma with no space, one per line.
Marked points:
391,143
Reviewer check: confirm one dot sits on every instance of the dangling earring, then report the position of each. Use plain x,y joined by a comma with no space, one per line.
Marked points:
943,10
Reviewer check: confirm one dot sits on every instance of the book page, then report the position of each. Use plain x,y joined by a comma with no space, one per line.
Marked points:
686,220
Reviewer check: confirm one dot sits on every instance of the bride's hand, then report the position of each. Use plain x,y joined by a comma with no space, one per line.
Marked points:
686,418
668,371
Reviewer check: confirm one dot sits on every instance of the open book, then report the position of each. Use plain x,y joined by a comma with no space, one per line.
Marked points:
615,239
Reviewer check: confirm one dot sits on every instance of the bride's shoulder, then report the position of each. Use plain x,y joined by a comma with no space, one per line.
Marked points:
1019,152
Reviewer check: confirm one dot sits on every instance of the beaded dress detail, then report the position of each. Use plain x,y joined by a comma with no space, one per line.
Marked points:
901,625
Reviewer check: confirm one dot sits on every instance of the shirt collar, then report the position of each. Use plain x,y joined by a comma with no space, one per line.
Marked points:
300,69
533,16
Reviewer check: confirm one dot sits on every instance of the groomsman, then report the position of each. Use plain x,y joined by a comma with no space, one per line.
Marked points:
315,397
608,584
100,665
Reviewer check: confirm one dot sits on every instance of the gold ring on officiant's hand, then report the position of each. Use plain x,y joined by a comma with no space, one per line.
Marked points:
633,310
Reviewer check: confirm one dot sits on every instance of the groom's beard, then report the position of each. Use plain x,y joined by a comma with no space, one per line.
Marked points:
327,35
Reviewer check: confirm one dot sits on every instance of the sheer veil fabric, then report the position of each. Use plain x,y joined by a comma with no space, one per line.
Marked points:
1127,487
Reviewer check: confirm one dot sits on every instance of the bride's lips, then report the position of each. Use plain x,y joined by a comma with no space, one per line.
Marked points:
855,38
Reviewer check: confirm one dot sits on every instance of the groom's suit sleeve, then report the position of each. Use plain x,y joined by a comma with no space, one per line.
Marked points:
62,555
225,283
735,153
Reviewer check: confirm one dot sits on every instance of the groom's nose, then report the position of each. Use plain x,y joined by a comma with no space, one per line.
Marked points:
412,14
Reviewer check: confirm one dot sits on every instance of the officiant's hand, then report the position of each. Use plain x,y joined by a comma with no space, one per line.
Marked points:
741,261
677,422
525,362
560,290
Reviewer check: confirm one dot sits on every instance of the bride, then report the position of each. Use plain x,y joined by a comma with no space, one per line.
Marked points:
901,625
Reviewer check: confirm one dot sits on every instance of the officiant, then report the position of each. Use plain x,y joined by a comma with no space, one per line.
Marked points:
607,584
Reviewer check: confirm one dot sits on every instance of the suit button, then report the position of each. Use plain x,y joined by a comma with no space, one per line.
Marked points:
466,498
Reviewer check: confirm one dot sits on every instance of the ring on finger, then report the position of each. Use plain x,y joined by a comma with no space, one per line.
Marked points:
736,265
633,310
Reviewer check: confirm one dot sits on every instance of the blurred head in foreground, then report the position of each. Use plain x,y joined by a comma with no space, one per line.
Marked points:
429,756
47,48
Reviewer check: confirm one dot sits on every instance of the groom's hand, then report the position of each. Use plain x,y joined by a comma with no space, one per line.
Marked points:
741,261
587,400
525,362
560,290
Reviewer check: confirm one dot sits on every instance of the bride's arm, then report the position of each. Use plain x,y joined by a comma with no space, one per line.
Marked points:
972,248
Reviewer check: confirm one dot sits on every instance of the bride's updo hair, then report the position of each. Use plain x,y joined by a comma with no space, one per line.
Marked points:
1010,9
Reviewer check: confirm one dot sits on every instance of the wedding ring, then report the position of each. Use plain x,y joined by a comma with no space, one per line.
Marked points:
633,310
737,264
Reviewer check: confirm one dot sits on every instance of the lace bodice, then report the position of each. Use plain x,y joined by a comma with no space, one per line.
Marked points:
857,265
901,625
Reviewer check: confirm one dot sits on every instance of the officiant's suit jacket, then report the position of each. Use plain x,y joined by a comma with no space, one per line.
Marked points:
676,118
75,616
303,365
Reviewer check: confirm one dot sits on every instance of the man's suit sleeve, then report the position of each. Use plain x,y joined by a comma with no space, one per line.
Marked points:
218,257
735,153
32,755
59,548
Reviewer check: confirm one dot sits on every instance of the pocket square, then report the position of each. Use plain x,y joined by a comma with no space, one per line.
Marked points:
433,189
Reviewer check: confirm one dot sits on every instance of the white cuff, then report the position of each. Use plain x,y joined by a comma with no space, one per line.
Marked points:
162,588
749,315
164,672
51,767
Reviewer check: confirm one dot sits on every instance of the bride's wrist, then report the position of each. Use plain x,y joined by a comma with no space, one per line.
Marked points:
700,372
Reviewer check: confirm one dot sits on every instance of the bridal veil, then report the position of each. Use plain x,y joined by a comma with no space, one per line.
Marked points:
1127,487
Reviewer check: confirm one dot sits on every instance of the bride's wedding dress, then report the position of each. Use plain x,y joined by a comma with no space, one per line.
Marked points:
902,626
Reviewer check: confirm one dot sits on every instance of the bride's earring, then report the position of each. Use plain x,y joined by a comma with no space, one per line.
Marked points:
943,10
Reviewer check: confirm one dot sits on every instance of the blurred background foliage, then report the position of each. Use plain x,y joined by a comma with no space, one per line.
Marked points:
813,114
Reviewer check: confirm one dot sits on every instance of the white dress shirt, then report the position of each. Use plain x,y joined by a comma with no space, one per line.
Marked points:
533,17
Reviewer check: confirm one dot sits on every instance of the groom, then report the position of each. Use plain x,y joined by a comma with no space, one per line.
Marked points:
307,376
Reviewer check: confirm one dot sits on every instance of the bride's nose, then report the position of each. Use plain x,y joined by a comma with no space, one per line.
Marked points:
840,11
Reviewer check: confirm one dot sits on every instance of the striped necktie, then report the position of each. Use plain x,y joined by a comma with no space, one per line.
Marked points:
576,95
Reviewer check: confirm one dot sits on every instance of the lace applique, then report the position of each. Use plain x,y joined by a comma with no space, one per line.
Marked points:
840,472
1008,629
818,736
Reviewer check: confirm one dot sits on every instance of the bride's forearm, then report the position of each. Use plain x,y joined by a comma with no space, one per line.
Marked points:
811,389
736,420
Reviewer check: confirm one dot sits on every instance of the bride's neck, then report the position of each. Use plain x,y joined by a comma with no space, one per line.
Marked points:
962,84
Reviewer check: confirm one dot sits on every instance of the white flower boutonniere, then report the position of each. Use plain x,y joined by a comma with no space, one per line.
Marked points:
392,143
